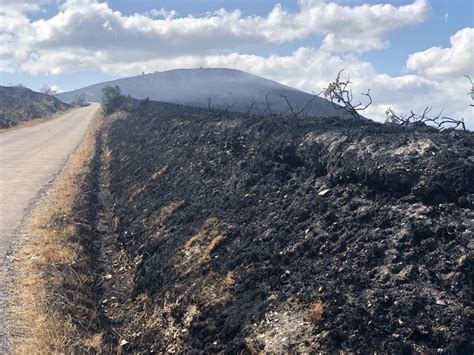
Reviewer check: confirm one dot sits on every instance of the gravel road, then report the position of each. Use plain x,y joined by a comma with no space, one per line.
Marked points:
29,160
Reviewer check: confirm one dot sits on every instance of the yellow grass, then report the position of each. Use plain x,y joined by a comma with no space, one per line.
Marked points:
198,248
49,247
229,279
316,312
209,225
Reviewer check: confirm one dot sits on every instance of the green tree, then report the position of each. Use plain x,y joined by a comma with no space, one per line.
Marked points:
111,98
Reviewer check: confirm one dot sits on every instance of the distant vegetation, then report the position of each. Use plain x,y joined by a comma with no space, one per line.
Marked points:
80,100
111,98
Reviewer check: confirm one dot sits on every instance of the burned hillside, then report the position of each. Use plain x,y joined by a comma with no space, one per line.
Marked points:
240,234
19,104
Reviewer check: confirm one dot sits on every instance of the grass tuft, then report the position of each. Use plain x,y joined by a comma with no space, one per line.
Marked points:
316,312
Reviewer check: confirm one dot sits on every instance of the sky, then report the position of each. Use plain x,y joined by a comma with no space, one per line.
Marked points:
410,53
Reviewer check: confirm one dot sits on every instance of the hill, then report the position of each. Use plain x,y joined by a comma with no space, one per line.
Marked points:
245,235
224,87
19,104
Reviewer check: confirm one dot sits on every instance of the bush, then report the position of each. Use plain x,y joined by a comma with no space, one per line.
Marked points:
111,98
80,100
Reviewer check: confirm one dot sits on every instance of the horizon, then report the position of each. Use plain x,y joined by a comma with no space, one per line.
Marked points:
411,54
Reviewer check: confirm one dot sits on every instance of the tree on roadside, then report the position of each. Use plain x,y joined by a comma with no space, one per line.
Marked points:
111,98
80,100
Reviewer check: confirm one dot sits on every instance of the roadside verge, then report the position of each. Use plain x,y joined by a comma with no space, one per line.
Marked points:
55,289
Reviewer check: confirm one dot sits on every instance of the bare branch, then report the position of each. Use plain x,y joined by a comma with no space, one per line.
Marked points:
340,95
269,106
306,106
471,93
251,107
47,90
292,110
439,122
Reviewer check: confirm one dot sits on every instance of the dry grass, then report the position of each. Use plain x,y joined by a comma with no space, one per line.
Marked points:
36,121
48,261
208,227
229,279
316,312
166,212
197,249
210,247
95,342
155,176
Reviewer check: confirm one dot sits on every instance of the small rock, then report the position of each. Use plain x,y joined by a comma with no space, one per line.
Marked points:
323,192
440,302
462,259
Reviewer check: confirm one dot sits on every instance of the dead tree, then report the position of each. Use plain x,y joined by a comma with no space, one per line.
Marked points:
219,110
339,92
226,110
269,106
47,90
294,111
251,107
471,93
439,121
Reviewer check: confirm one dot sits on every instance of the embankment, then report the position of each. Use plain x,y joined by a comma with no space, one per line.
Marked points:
267,234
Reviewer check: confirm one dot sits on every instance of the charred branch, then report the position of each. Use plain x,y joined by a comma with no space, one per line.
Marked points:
439,121
339,93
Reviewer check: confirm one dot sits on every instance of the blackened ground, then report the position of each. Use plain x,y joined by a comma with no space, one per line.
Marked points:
267,234
19,104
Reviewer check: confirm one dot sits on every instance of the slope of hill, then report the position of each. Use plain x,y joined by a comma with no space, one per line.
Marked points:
19,104
223,87
249,235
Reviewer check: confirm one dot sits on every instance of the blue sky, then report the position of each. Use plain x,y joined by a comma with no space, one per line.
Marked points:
395,47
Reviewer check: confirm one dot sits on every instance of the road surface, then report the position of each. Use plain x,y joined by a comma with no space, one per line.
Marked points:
30,158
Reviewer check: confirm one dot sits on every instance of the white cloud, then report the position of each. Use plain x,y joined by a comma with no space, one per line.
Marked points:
18,7
88,29
335,43
56,89
163,13
107,26
454,61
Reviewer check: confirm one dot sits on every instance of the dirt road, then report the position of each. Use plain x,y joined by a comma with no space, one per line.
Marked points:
29,160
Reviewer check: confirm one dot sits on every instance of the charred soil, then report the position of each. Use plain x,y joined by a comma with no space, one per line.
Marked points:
19,104
235,234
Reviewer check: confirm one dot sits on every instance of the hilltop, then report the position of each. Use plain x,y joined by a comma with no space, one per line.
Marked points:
20,104
225,88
